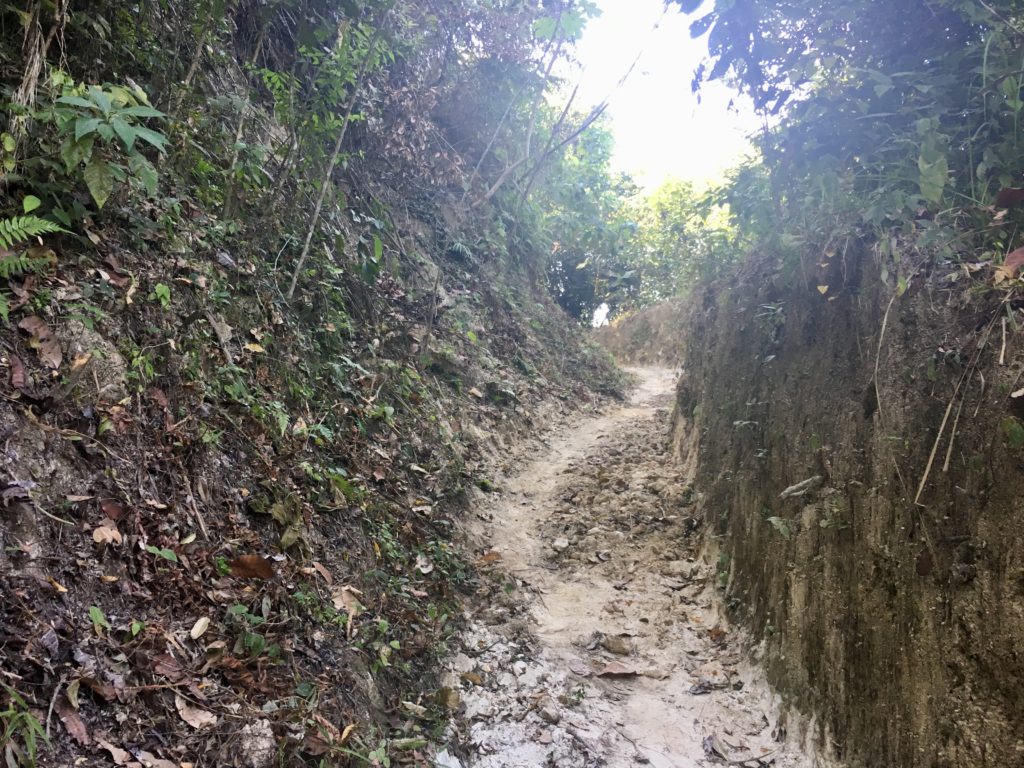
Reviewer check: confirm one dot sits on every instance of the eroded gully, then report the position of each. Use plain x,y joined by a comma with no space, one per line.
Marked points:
599,638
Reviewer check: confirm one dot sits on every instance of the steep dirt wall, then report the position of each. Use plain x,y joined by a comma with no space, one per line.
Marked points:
900,624
648,337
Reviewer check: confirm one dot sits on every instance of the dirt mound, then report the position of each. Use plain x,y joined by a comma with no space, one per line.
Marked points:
651,336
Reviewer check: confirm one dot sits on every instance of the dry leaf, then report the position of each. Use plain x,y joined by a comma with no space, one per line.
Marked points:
822,289
112,508
319,567
56,585
118,755
42,340
252,567
199,628
149,760
197,718
72,721
1008,270
256,348
347,598
106,533
19,379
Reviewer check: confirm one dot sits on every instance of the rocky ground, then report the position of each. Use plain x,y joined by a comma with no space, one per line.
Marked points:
599,638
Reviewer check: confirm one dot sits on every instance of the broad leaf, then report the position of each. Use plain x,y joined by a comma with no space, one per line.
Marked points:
155,138
125,132
86,125
99,180
144,171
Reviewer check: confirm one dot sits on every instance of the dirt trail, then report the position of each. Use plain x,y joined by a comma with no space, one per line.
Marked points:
600,639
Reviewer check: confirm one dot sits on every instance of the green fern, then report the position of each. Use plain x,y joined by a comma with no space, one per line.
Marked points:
16,231
19,229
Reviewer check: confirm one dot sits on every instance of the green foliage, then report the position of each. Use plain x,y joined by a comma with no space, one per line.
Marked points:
889,120
14,232
20,731
101,134
20,229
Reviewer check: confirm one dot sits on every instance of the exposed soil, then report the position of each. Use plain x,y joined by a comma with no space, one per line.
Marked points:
601,639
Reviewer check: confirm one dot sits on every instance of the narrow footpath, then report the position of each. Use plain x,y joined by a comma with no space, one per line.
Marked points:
599,638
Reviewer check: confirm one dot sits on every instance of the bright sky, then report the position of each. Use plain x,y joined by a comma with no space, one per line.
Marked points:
661,130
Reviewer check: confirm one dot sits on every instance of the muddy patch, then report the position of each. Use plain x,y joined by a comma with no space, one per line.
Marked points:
599,638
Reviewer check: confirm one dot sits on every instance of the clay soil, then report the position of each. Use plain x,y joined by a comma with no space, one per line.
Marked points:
600,638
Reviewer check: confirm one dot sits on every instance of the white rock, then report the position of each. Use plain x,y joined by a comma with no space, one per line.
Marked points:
560,544
258,745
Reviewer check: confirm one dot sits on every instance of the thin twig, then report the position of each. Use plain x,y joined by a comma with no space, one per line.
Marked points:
335,154
952,436
878,357
949,409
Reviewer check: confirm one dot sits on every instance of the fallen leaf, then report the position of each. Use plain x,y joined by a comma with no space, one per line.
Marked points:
19,379
255,348
252,567
80,361
72,721
197,718
489,558
319,567
57,585
112,508
476,393
168,666
1008,269
617,669
42,340
149,760
347,598
106,533
822,289
472,677
118,755
199,628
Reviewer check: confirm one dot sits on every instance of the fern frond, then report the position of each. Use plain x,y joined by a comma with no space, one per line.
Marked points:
19,229
16,266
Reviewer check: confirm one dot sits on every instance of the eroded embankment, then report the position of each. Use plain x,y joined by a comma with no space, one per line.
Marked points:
899,622
598,637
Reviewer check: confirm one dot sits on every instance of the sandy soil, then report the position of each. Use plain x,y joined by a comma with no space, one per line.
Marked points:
600,638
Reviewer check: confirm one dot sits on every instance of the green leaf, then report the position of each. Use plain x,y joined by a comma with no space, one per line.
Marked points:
166,554
86,125
101,98
124,132
137,626
30,203
8,142
99,180
144,171
378,249
75,152
141,111
98,618
76,101
155,138
934,175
